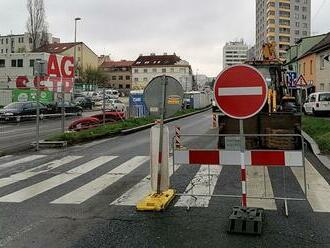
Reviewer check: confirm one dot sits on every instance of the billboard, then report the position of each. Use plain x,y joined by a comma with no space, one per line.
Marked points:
24,95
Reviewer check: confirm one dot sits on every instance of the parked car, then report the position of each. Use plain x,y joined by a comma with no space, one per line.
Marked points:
114,94
18,111
318,103
95,120
69,107
84,102
116,105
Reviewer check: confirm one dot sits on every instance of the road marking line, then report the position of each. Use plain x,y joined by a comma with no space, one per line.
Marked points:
139,190
36,170
201,184
38,188
255,188
21,161
240,91
92,188
318,189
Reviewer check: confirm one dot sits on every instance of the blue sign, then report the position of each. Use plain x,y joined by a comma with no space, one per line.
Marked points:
291,79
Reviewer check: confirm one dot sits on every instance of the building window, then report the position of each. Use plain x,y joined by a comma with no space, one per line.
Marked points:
1,50
311,67
2,63
304,33
128,86
1,41
304,68
6,40
296,32
128,77
145,70
31,62
322,62
145,79
164,70
13,63
136,80
304,25
20,63
120,86
297,24
120,77
304,17
136,70
114,77
321,87
296,16
304,9
172,69
296,8
6,50
154,69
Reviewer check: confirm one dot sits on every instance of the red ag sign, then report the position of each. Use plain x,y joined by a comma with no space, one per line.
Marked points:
60,71
240,91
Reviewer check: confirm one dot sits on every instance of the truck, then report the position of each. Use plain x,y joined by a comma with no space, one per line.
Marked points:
272,119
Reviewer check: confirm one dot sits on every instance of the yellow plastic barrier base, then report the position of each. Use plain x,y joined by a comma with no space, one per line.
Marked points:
156,202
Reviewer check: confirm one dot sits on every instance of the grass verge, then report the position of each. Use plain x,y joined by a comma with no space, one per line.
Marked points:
108,130
319,130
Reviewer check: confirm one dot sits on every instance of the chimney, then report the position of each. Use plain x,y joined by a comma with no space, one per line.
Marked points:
152,54
165,54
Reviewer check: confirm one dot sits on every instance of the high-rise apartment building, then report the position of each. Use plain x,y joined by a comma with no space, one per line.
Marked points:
282,21
234,52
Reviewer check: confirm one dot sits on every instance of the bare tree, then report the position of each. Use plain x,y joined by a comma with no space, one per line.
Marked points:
36,21
44,36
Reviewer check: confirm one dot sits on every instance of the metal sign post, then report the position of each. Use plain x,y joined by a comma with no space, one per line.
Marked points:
40,69
243,166
62,109
161,132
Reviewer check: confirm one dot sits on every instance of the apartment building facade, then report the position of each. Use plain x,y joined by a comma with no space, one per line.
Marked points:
118,73
20,43
234,52
145,68
282,21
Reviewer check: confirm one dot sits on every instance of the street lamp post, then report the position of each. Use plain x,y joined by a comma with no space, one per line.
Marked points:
75,47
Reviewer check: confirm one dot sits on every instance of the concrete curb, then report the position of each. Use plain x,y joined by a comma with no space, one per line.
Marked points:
316,150
136,129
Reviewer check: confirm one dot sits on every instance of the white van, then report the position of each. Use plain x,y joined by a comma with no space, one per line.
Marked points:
317,103
112,94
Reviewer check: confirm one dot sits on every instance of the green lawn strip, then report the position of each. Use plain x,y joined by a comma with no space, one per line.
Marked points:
319,130
108,130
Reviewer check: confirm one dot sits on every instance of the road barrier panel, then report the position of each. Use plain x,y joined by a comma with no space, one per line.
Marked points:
159,176
214,120
261,157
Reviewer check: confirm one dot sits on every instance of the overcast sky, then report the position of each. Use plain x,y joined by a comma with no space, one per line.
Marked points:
196,30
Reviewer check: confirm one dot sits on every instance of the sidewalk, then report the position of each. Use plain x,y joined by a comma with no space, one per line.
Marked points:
325,159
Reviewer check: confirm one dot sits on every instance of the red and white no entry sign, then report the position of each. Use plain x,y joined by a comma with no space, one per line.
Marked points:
240,91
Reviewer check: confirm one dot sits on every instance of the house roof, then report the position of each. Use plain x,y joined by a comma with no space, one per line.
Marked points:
57,47
156,60
121,63
319,47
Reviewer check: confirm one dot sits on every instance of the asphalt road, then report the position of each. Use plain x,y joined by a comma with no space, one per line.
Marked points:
15,137
84,197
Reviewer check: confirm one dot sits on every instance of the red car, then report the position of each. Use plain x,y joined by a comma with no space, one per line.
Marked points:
95,121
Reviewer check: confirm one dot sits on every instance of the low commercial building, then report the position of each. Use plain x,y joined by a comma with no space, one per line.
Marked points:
146,67
20,43
118,73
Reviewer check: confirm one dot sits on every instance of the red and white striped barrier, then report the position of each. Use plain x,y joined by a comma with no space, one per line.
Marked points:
178,144
214,121
292,158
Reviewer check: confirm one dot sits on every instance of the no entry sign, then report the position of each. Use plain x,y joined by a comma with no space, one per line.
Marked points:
240,91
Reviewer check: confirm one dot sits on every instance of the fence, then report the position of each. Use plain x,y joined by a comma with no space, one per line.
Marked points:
210,158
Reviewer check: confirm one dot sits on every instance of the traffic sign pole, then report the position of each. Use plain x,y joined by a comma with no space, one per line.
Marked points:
243,167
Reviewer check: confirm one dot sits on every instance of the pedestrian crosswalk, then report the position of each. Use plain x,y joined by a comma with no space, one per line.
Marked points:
198,187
